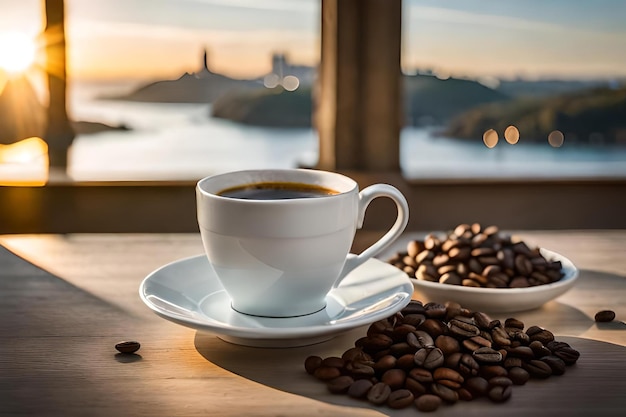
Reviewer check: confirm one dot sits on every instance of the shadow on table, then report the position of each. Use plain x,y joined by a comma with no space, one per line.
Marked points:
600,362
283,369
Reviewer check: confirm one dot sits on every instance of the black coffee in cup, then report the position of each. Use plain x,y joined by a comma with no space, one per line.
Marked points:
276,191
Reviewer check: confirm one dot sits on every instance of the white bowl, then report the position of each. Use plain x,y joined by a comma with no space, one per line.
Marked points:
502,299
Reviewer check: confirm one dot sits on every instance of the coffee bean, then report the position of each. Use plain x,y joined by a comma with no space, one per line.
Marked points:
476,342
564,351
355,354
394,378
477,385
487,355
360,388
128,347
513,322
427,403
523,352
414,247
450,278
385,363
399,349
416,387
482,320
378,393
461,327
567,354
506,258
519,282
464,363
453,309
378,327
490,371
400,398
429,358
377,342
360,370
446,394
414,319
461,229
414,307
556,364
499,393
312,363
537,368
539,349
458,254
482,251
433,327
516,334
604,316
448,377
518,375
511,362
542,335
333,361
405,362
435,310
447,344
326,373
431,242
340,384
500,381
419,339
464,394
400,331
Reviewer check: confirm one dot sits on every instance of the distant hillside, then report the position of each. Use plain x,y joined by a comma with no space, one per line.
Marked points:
267,107
546,88
204,87
429,100
578,115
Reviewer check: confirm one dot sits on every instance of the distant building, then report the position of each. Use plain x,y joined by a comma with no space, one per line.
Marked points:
281,68
204,65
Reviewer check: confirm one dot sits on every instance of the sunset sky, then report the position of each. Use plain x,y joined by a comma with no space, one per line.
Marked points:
135,39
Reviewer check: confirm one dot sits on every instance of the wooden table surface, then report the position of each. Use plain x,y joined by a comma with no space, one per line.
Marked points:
66,300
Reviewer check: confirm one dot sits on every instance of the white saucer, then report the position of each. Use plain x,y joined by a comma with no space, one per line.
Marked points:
187,292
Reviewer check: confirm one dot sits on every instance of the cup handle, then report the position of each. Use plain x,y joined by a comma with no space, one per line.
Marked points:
365,198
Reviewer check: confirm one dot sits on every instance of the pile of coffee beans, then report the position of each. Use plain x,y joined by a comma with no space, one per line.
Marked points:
474,256
430,354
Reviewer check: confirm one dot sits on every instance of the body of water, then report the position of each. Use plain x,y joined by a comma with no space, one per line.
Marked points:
180,141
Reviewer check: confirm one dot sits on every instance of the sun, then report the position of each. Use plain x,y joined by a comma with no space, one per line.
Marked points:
17,52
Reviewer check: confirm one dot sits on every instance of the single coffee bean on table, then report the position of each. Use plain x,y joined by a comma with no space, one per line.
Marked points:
128,346
427,355
604,316
474,256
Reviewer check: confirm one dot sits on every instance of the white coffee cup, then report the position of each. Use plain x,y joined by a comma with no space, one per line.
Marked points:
281,257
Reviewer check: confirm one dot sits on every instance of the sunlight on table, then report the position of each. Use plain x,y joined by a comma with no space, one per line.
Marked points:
24,163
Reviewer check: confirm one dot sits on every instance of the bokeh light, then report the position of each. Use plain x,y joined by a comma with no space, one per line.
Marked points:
490,138
511,135
291,83
271,80
556,138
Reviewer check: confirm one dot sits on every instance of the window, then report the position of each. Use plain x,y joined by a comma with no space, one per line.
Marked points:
525,89
145,78
178,89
